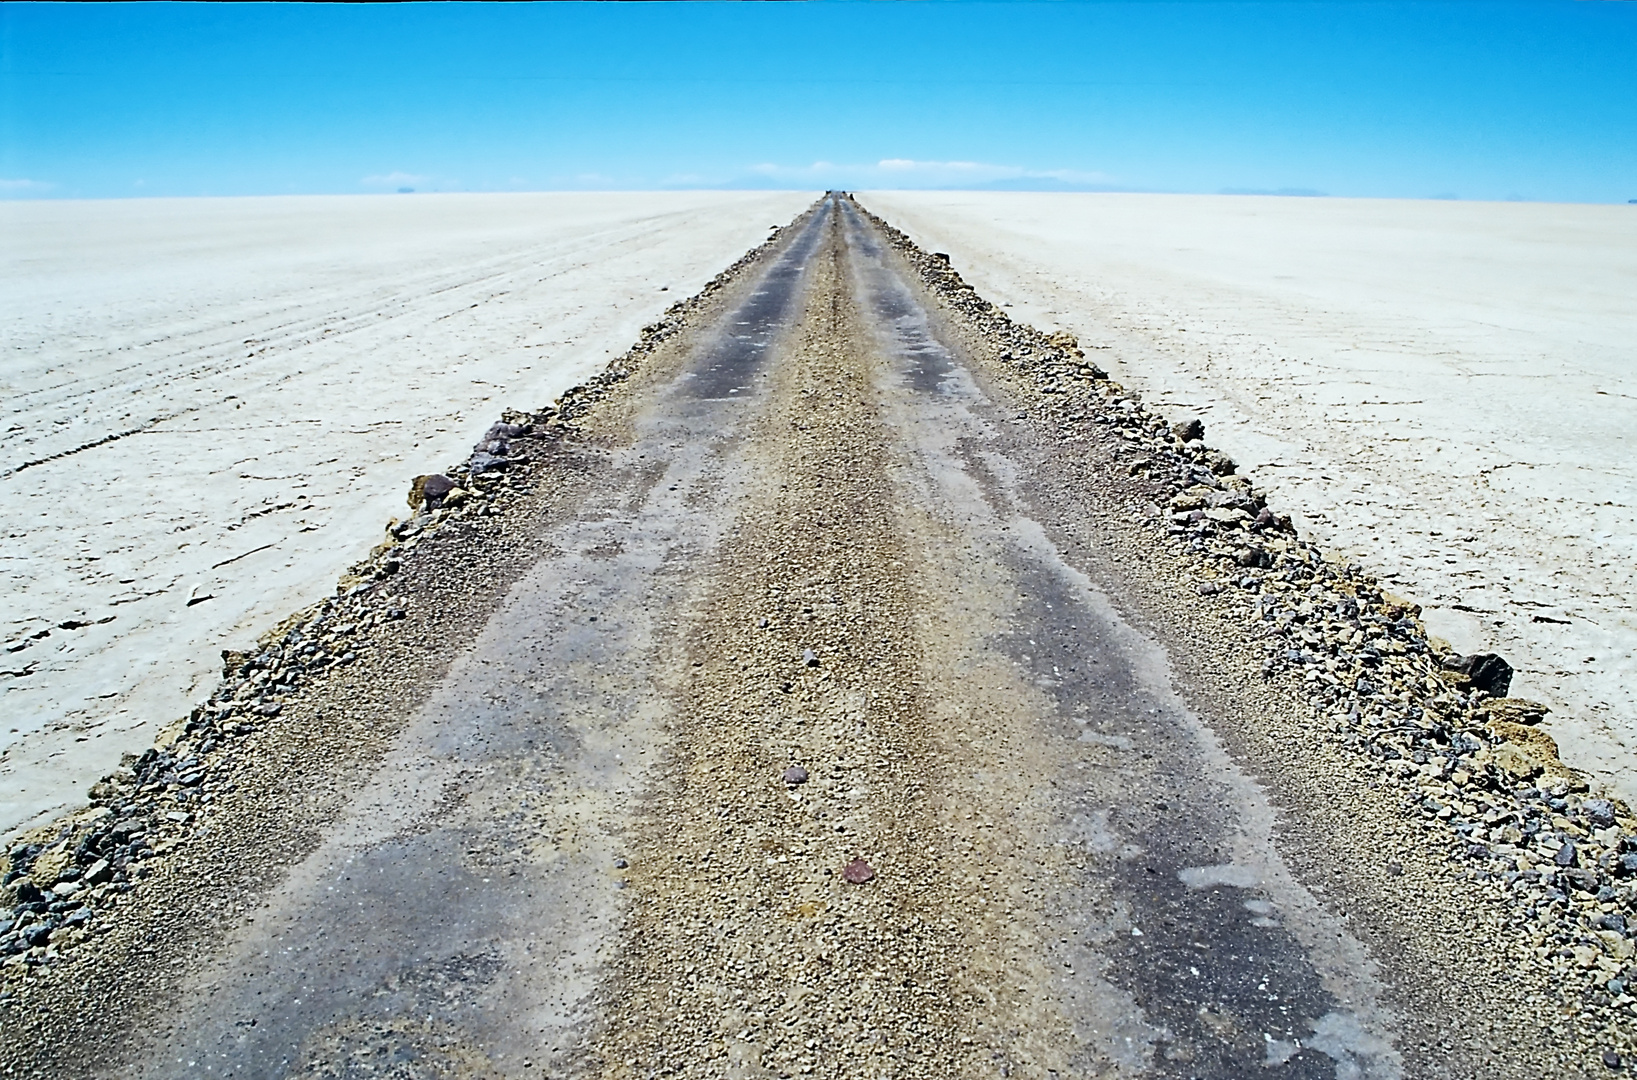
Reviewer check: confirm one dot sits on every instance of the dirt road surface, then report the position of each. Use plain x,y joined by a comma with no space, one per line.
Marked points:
823,703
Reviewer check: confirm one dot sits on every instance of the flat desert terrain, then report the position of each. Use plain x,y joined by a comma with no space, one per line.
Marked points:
825,696
1445,392
213,406
822,694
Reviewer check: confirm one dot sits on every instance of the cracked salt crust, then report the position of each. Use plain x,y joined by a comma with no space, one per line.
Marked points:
1441,391
223,400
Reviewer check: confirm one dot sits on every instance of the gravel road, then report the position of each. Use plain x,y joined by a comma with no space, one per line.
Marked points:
842,685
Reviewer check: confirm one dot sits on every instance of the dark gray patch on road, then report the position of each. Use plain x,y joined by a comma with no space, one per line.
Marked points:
1219,978
926,363
729,365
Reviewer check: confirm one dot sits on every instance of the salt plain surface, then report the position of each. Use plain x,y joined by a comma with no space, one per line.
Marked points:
226,399
1445,392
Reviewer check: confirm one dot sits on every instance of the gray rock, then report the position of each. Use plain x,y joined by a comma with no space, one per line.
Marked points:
1601,811
1487,671
1255,558
1188,430
429,490
795,775
503,430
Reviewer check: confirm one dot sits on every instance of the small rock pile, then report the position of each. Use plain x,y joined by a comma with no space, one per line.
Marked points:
64,883
1483,782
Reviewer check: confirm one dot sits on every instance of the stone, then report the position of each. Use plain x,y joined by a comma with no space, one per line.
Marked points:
1188,430
1192,499
1513,710
503,430
1255,558
49,865
857,872
809,658
1066,341
1515,762
429,489
1584,880
98,872
795,775
1488,672
1397,607
1567,855
1601,811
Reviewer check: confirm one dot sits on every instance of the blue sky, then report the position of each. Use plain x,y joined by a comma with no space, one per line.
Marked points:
1473,99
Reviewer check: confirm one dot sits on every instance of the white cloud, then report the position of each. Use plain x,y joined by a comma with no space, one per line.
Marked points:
908,172
24,187
394,179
